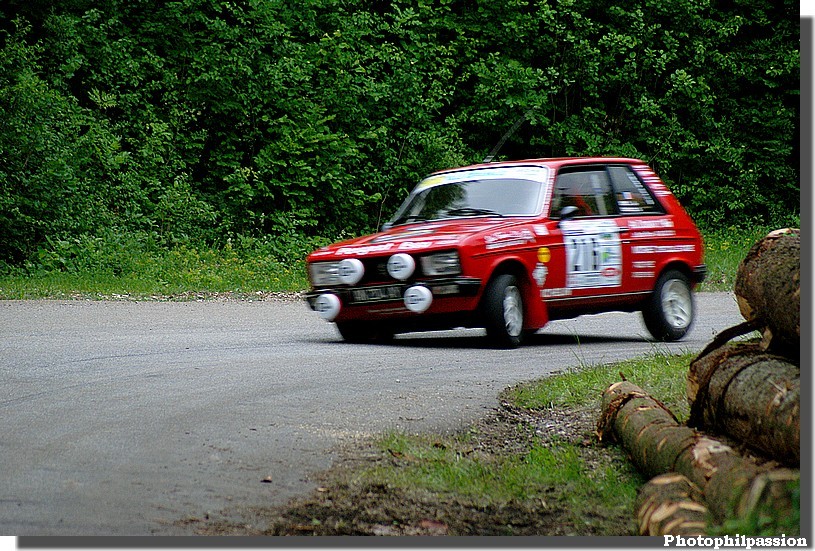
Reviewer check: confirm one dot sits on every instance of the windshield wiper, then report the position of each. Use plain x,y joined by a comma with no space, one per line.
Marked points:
470,211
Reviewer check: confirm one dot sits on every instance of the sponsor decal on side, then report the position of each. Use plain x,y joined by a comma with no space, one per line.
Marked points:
539,274
509,238
363,250
650,224
642,264
414,245
555,293
658,249
658,233
652,180
447,242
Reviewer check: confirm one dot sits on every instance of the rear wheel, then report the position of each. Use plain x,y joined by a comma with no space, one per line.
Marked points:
669,313
504,311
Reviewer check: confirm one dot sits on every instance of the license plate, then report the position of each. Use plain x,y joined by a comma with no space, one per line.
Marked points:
377,294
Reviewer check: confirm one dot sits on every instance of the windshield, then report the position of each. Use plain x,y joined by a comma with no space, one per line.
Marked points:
492,192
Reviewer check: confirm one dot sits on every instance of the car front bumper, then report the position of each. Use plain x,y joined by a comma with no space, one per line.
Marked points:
395,292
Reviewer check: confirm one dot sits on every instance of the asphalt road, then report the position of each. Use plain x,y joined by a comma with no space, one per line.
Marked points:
123,418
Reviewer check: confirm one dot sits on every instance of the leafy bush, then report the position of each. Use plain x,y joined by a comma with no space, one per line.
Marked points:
206,122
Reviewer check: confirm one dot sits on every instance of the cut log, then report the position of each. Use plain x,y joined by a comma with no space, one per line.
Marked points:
658,444
768,288
646,428
736,492
754,397
670,504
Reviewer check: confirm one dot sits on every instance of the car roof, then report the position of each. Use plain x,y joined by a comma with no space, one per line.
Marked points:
553,163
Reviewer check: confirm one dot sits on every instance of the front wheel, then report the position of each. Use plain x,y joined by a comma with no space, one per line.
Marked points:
504,311
669,312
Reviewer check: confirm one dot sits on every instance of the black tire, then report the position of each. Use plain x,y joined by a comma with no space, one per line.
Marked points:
669,312
503,311
362,332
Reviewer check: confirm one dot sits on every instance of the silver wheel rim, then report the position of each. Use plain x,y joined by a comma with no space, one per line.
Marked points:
677,304
513,311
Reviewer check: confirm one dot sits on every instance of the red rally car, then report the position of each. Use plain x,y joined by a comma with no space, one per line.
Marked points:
509,246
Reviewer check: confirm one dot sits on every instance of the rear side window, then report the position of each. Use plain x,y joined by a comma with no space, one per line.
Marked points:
588,190
631,194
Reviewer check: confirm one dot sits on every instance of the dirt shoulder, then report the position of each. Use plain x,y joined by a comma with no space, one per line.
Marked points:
348,502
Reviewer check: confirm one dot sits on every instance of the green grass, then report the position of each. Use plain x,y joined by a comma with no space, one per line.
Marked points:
176,273
580,479
557,471
661,374
724,250
126,267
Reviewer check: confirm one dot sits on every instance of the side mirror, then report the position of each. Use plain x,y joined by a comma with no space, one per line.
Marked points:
386,226
567,213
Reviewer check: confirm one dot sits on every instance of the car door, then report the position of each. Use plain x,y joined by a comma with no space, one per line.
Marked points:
644,227
589,243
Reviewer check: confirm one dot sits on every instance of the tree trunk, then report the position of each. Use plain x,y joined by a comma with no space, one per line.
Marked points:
670,504
768,288
749,395
734,486
646,429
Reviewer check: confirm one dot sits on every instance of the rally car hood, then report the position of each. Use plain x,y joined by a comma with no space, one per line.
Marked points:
428,235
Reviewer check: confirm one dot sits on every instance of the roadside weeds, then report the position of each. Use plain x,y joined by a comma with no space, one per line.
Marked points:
516,472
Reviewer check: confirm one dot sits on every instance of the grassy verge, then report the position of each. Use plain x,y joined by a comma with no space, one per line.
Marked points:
179,273
534,468
94,268
594,486
724,250
574,490
661,374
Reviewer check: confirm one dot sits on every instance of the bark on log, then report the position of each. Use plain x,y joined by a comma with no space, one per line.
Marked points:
734,486
768,288
646,428
670,504
749,395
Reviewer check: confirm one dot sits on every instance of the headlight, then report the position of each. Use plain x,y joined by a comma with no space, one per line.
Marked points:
439,264
351,271
324,273
401,266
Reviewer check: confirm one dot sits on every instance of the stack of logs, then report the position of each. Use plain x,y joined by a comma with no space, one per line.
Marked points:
739,452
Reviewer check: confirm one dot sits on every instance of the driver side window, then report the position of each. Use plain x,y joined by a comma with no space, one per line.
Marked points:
588,189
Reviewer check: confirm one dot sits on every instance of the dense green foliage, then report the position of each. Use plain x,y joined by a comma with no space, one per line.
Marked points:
203,122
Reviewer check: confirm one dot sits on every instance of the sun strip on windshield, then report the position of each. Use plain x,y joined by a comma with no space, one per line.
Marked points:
533,173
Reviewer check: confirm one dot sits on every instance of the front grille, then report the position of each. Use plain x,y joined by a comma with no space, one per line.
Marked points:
376,271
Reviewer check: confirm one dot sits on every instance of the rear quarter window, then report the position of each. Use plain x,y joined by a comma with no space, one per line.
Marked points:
632,196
